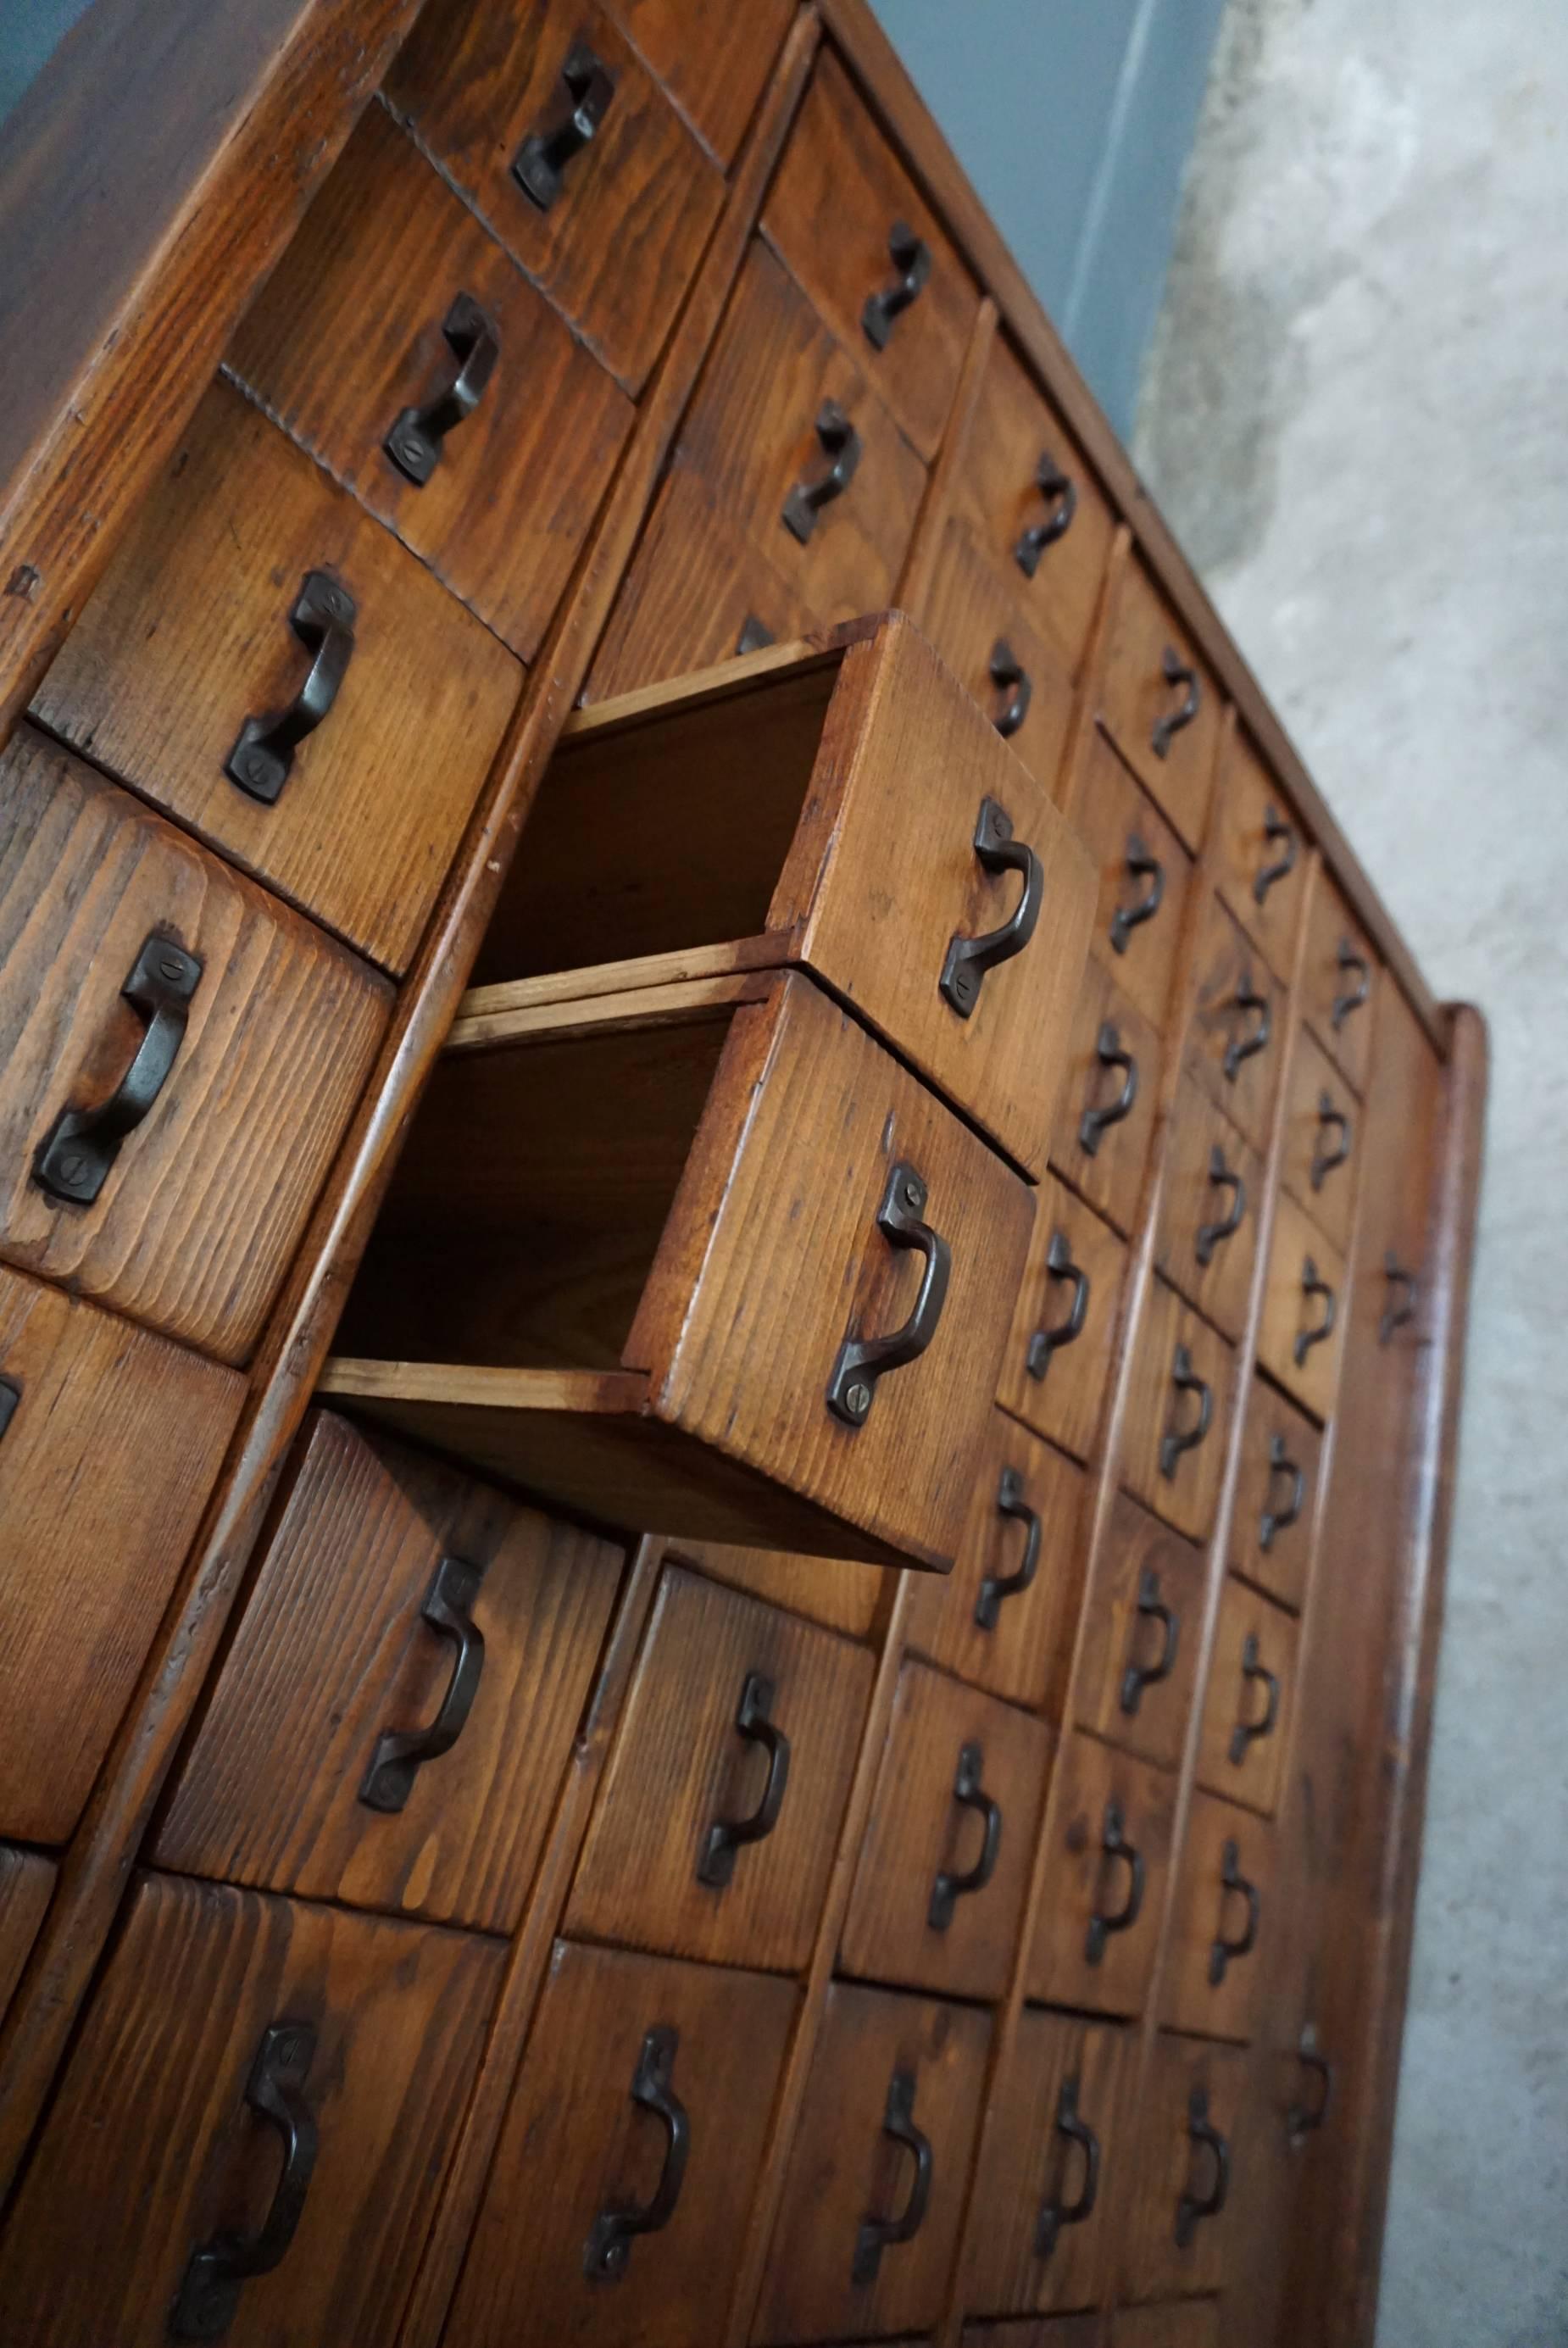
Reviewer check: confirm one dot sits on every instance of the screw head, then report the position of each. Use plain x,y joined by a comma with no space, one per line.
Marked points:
73,1166
171,966
858,1400
914,1195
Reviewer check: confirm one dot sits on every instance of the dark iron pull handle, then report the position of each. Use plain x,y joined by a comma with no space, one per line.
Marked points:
399,1754
1275,828
1176,671
1045,1343
1400,1308
74,1158
1009,676
1104,1921
1312,1284
970,1794
1243,1048
1055,2215
1280,1521
10,1397
725,1836
754,635
1303,2118
414,443
587,86
609,2246
863,1360
209,2295
911,257
1141,865
1060,494
1176,1440
1096,1122
1152,1608
969,959
1209,1235
1325,1161
1352,1000
323,617
1194,2208
1231,1880
1010,1502
879,2234
1247,1733
841,446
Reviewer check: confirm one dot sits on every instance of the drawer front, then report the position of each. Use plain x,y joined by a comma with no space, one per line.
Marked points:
1159,703
221,2011
1049,2332
1145,874
192,654
400,1692
886,2131
945,1867
1277,1494
630,2060
1174,1443
1304,1307
1019,676
1223,1918
1137,1668
783,422
712,58
1338,982
1321,1130
842,1594
856,233
1106,1115
1191,2168
1182,2323
1062,1344
110,1440
1108,1830
26,1887
405,350
493,98
1251,1693
1236,1041
1208,1231
1260,855
1004,1617
1051,2170
721,1804
201,1204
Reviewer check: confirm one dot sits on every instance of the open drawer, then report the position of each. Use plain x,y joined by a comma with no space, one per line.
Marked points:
702,1257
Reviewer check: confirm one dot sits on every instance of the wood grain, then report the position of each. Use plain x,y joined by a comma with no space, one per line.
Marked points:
1204,1910
1236,1698
1117,1638
26,1887
1136,699
1119,822
977,625
1194,1202
1083,1881
1187,1496
1062,1397
1251,848
1169,2165
1298,1253
1110,1175
1229,968
1181,2323
1336,1000
711,58
841,1593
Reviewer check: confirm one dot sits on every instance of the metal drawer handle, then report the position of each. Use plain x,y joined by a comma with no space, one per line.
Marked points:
879,2234
1010,1502
1045,1343
1352,1000
1232,1881
1241,1048
323,617
399,1754
969,959
1247,1733
587,86
863,1360
1141,865
10,1395
842,444
209,2295
725,1836
74,1159
1325,1161
1399,1309
1175,671
608,2249
1096,1122
1275,828
1104,1921
1060,495
1280,1521
1055,2215
1176,1440
911,257
754,635
1009,676
1209,1235
1312,1284
970,1794
1152,1608
1194,2208
415,441
1303,2118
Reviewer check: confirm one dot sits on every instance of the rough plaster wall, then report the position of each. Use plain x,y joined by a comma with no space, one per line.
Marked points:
1357,417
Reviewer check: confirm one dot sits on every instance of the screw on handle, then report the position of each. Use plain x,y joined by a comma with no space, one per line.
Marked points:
400,1754
910,258
570,125
1140,864
416,440
1060,494
970,1794
1096,1122
322,617
863,1361
841,446
73,1160
608,2249
1268,875
217,2270
879,2234
1213,1235
1152,1608
969,958
1044,1344
725,1836
1115,1849
1176,672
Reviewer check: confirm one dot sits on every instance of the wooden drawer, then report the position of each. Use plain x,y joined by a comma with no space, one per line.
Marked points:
1174,1444
1049,2170
1277,1494
1019,676
1145,874
1251,1695
649,1333
1034,2332
197,637
1303,1306
721,1803
493,97
1159,701
1057,1369
1260,855
26,1887
109,1442
399,344
1107,1105
197,1216
1221,1915
1183,2229
1004,1618
836,1592
1035,507
225,2021
1322,1128
646,2090
1236,1040
856,233
797,450
1207,1236
1338,981
945,1867
712,58
1180,2324
886,2133
1138,1667
953,918
1109,1827
400,1692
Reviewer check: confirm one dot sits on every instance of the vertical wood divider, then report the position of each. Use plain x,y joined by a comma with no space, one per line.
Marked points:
920,563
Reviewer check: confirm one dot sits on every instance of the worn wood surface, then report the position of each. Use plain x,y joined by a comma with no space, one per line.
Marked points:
1017,675
712,60
1145,1715
1084,1880
1167,2164
1208,1911
1062,1394
839,1593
